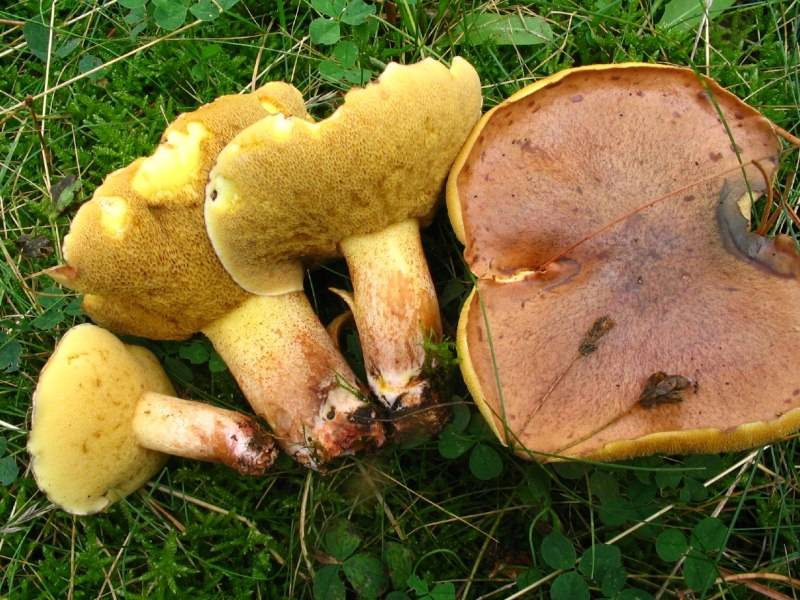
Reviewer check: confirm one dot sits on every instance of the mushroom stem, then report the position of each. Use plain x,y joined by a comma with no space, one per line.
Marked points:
202,432
101,412
396,311
293,376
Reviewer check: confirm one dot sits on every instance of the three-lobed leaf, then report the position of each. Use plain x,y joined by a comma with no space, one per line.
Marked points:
511,29
346,53
686,15
366,574
709,535
442,591
37,37
327,584
169,14
357,12
205,10
399,562
331,69
87,62
324,32
8,470
196,352
558,551
699,571
453,444
340,541
671,544
599,560
484,462
10,353
569,586
329,8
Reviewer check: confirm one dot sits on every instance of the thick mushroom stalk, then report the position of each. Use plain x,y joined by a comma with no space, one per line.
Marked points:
294,377
622,305
396,311
286,190
105,416
139,252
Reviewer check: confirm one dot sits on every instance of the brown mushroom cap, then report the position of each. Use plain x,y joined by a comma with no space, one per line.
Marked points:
286,189
623,306
84,451
138,249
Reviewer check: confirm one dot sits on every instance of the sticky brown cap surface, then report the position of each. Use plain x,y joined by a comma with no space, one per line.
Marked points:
83,449
139,249
285,188
617,329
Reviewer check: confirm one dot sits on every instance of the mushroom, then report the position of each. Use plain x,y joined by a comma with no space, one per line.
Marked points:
623,306
138,250
104,415
359,184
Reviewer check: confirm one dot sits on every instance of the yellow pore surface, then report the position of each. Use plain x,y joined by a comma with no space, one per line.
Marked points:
286,188
82,445
138,249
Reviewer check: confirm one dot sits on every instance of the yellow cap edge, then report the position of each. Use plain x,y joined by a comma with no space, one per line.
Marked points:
692,441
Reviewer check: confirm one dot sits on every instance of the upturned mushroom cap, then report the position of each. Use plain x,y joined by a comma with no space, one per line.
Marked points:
84,453
623,306
286,188
138,249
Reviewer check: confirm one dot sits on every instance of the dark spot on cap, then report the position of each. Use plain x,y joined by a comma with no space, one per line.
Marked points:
715,156
576,98
688,198
213,195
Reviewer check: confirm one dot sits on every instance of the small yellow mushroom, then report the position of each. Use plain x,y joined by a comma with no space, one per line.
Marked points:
105,416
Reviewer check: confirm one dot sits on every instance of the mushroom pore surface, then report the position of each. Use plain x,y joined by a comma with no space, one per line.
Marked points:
286,189
138,249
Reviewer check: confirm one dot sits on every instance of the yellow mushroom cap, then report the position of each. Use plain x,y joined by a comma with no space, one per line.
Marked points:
286,188
138,248
82,445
